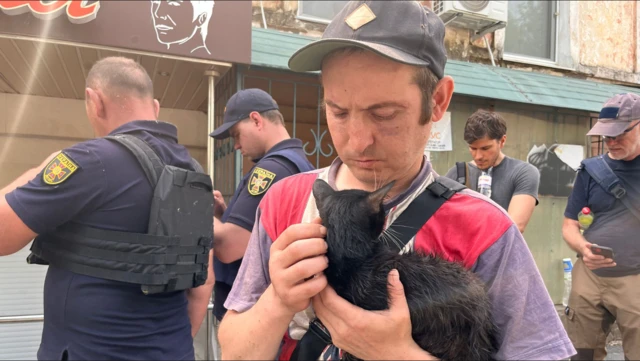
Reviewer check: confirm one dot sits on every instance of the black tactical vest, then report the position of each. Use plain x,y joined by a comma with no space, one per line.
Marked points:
174,253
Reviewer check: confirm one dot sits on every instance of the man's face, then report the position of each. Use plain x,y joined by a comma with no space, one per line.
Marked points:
485,151
373,111
245,139
625,146
173,20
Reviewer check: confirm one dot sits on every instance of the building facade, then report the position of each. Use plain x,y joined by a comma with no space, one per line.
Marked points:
556,62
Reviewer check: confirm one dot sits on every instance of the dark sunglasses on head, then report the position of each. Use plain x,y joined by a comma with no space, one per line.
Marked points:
605,137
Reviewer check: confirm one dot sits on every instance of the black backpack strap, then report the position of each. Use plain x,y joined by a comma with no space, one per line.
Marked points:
462,172
316,339
462,168
196,166
600,171
147,157
602,174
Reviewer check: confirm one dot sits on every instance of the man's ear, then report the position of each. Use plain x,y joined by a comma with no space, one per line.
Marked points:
441,98
201,19
96,104
256,119
156,107
502,141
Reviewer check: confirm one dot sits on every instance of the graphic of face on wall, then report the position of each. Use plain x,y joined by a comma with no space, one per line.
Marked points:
182,23
557,165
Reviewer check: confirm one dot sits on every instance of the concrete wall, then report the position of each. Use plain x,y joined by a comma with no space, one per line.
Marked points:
32,127
602,20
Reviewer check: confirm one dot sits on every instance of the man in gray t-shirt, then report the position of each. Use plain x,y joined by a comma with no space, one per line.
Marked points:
514,184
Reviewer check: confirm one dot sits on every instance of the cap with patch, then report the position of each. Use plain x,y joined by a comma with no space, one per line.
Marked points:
403,31
616,115
240,105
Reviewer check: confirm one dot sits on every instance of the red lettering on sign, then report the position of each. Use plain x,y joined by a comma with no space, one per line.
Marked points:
52,7
78,12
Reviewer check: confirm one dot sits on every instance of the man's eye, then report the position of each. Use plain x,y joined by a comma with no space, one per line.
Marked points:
340,115
384,116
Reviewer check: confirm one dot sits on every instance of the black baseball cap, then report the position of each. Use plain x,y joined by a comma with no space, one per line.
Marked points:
404,31
240,105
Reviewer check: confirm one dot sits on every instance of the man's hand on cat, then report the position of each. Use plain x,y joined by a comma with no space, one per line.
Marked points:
296,264
370,335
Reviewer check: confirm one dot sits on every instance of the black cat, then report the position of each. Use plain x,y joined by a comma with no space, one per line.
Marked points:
450,311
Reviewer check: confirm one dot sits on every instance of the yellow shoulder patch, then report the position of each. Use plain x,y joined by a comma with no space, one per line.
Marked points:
260,181
59,169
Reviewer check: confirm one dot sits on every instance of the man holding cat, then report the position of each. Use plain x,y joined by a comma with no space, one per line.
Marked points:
382,68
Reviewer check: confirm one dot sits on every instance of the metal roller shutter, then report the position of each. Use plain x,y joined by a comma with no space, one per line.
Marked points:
21,288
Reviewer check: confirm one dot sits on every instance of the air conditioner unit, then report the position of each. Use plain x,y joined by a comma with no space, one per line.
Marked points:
481,16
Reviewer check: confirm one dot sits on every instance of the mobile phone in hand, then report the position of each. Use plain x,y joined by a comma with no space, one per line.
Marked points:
607,252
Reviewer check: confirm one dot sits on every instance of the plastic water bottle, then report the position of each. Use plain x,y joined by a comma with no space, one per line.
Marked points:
585,218
484,183
568,266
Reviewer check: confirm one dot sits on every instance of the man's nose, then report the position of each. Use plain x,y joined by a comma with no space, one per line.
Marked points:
236,146
360,134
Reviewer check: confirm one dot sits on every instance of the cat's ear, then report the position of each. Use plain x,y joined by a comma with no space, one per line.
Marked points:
375,198
321,191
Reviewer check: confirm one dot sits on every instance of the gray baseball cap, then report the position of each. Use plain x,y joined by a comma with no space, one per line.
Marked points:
616,115
404,31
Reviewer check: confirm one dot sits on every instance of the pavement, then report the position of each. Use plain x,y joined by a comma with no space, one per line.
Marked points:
614,344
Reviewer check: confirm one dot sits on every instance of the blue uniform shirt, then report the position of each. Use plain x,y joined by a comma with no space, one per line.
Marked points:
242,207
92,318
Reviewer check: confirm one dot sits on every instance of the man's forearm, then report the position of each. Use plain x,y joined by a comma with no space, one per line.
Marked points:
198,301
571,234
229,241
255,334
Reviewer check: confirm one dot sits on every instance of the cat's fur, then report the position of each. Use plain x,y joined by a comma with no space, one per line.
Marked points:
450,311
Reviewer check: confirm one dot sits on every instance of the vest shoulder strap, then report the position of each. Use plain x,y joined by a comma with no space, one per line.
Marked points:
146,156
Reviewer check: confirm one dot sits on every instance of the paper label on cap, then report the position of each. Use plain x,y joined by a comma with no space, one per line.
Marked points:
360,17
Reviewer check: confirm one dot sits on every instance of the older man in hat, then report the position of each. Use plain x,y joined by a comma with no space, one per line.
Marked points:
607,273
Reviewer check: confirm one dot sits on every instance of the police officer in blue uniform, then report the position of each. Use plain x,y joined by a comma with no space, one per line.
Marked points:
252,118
99,185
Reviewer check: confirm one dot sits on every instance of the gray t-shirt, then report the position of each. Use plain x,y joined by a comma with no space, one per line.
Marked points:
509,178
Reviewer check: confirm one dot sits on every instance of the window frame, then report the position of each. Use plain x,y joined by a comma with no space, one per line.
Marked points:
310,18
535,60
